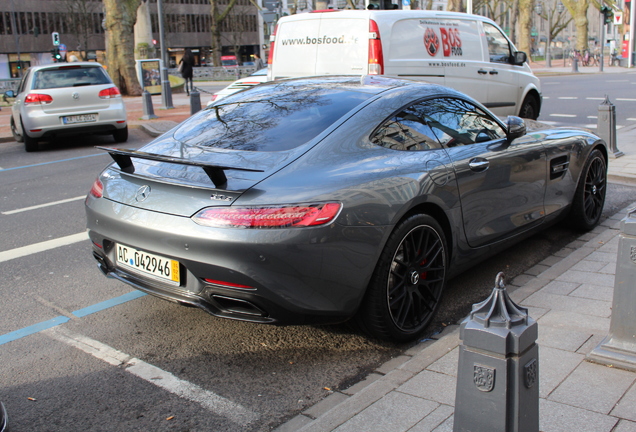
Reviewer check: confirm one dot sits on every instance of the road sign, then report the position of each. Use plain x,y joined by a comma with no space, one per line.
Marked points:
56,38
618,18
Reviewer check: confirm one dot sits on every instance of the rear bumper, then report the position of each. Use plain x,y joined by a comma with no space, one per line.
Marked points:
294,276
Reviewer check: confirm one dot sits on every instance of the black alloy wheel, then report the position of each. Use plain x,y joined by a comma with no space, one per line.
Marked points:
408,282
589,198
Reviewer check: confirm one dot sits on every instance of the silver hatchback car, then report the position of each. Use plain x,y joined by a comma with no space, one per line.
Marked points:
66,99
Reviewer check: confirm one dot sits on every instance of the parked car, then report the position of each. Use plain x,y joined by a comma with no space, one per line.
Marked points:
329,198
256,78
63,99
469,53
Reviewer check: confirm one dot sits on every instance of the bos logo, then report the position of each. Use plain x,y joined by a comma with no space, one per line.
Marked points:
431,42
451,42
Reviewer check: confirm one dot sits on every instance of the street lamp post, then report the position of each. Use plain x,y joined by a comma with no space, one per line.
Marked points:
166,91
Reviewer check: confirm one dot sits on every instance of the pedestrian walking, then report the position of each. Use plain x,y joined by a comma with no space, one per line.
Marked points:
258,62
186,65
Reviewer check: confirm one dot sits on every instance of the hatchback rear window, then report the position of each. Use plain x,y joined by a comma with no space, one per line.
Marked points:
69,77
271,117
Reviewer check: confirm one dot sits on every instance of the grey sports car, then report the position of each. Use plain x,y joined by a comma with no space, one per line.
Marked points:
323,199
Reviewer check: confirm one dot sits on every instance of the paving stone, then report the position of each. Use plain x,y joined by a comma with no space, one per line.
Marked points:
569,303
425,358
392,364
536,312
521,280
560,287
447,364
593,387
594,292
294,424
447,426
577,321
591,343
434,419
556,417
431,385
609,269
396,412
554,367
576,244
606,257
625,426
585,277
325,405
551,260
370,379
626,407
537,269
589,265
564,252
562,339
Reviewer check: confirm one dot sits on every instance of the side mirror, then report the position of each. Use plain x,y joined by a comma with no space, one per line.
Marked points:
520,58
516,127
9,94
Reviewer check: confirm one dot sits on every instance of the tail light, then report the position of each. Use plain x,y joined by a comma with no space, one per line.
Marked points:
272,39
228,284
376,58
37,99
97,190
110,92
213,98
268,217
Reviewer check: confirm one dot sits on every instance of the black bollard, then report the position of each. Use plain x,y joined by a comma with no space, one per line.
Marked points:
149,112
498,372
195,102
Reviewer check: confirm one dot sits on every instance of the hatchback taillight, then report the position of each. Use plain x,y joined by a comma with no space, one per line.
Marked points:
97,190
376,57
110,92
291,216
37,99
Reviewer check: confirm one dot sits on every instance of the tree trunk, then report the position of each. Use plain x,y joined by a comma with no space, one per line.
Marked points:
578,10
215,28
455,6
525,25
120,22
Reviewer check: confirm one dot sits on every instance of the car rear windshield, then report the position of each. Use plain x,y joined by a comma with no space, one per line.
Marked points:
69,76
270,119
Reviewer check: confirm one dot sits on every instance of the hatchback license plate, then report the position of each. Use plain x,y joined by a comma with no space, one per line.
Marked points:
82,118
165,269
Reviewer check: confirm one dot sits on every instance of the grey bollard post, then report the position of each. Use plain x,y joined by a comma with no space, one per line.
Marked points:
195,102
606,126
498,372
575,64
619,347
149,112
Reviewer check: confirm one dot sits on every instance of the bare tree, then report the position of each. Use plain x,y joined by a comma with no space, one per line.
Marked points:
218,16
456,6
80,16
241,21
578,10
120,22
525,25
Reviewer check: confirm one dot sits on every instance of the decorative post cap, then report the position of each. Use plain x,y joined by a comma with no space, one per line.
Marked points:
498,310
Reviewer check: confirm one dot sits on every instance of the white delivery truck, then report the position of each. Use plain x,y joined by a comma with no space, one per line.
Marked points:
469,53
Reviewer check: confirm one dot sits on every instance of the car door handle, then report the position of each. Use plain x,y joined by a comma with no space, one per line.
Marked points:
482,72
493,72
478,164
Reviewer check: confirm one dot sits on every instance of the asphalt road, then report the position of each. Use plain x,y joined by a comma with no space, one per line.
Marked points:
146,364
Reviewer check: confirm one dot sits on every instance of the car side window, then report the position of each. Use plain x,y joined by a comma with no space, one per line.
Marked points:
498,46
456,122
407,131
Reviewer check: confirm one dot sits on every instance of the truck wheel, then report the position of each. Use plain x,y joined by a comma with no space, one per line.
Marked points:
529,108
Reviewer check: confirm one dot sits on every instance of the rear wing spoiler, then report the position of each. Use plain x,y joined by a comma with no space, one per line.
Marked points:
123,158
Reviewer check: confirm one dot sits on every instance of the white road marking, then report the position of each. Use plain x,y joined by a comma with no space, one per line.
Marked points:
626,99
42,246
631,119
549,122
35,207
165,380
562,115
593,98
591,126
567,97
592,117
617,80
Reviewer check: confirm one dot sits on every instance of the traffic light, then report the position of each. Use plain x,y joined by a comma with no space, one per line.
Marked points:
607,14
57,57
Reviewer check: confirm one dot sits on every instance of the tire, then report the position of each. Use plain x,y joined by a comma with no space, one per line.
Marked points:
14,131
408,281
529,108
30,144
589,198
121,135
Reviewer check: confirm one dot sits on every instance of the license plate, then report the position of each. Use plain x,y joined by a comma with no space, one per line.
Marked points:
82,118
156,266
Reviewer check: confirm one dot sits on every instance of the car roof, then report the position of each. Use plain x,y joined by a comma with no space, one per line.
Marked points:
64,65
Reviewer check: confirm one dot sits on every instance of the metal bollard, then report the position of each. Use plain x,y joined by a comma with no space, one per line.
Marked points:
606,126
195,102
575,64
498,372
149,112
619,347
